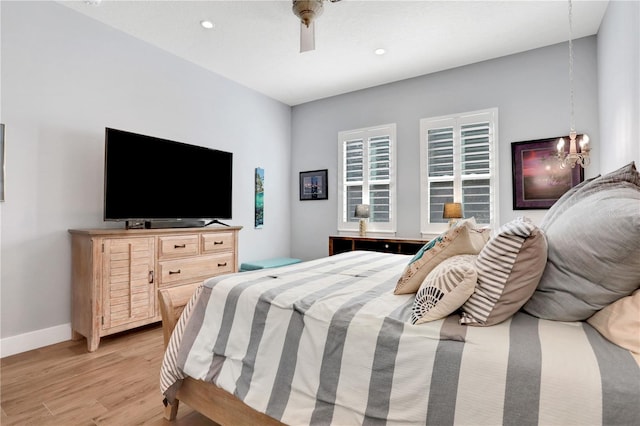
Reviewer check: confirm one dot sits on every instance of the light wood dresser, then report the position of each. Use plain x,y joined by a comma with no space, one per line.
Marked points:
116,273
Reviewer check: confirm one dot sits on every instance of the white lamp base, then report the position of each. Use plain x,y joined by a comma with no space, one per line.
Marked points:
363,227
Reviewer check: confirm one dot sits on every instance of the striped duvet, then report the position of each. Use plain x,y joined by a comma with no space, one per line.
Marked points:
327,342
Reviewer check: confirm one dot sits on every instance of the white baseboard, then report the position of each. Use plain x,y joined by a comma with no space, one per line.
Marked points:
34,340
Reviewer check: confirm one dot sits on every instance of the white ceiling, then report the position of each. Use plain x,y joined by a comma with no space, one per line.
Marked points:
256,43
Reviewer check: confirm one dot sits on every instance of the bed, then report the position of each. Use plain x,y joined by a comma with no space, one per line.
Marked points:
334,341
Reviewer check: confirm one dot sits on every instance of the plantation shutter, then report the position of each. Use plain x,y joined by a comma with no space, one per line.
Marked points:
458,165
379,178
367,176
354,177
441,170
476,170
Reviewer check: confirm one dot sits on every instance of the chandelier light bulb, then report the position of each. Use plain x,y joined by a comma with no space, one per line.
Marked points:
206,24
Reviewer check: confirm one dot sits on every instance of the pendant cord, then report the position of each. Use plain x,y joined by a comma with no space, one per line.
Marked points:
571,119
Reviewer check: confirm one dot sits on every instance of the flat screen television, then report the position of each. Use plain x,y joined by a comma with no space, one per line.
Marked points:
149,179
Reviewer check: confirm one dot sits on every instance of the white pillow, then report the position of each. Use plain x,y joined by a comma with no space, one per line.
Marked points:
445,289
463,238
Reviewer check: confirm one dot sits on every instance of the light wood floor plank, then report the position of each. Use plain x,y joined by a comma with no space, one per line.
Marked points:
63,384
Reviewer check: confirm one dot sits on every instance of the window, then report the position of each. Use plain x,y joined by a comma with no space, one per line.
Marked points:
366,175
458,163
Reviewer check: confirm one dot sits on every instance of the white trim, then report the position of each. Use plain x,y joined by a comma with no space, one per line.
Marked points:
34,340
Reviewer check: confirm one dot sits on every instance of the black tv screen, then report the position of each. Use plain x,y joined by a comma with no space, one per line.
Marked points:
148,178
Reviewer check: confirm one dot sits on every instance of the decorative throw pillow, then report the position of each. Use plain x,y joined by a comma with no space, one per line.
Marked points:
509,268
445,289
620,322
593,250
463,238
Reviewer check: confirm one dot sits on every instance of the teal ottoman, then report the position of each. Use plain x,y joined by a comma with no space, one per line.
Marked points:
268,263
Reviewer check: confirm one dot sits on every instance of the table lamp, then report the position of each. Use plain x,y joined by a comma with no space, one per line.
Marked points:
362,212
452,211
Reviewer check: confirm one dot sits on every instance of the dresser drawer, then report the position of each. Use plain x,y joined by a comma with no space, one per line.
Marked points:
174,271
221,241
172,246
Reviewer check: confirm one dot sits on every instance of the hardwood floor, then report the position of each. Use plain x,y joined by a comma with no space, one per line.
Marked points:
65,385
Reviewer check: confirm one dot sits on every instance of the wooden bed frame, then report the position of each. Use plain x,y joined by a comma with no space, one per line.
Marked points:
206,398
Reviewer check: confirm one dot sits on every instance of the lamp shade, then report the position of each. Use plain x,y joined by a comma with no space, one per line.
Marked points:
362,211
452,211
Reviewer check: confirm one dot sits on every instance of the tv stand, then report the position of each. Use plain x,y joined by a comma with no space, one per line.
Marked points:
216,221
135,224
164,224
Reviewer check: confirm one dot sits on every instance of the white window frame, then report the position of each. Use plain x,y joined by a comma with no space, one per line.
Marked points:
382,228
456,121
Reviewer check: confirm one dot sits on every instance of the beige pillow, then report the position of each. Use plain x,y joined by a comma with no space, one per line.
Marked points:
620,322
509,269
463,238
445,289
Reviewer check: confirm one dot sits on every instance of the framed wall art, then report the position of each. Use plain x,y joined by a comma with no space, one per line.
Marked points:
313,185
259,200
538,179
2,162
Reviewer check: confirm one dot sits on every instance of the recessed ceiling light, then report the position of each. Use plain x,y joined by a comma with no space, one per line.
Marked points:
207,24
380,51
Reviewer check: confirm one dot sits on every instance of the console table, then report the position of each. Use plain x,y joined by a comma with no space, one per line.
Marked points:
341,244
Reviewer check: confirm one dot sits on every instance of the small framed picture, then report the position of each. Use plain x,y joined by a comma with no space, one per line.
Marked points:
538,179
313,185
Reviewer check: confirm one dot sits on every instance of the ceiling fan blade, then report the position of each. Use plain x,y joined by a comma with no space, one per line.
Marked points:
307,37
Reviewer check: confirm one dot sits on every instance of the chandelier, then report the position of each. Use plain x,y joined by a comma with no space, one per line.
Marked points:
574,156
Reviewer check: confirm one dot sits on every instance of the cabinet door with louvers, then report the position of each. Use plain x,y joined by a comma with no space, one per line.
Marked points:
128,293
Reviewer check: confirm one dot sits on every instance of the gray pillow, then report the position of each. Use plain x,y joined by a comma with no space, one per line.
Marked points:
593,250
626,176
564,202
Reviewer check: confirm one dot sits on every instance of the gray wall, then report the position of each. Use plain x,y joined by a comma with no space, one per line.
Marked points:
531,91
619,84
66,77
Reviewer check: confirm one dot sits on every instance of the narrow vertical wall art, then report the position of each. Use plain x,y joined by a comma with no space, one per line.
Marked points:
259,197
1,162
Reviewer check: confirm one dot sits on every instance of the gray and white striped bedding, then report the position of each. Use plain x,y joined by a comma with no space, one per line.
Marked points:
327,342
